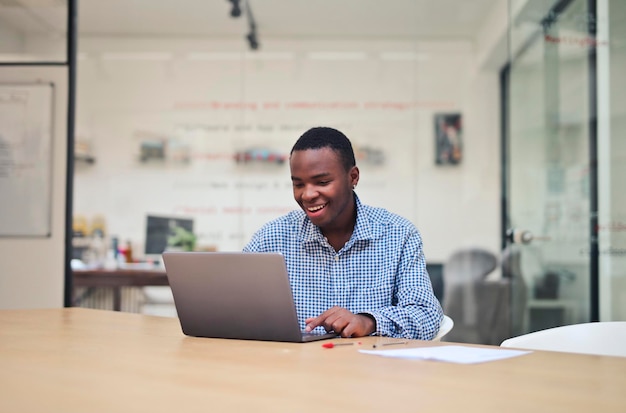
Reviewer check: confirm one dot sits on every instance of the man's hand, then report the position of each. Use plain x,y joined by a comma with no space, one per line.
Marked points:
343,322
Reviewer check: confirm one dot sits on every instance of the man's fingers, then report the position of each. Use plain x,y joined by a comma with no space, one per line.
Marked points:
334,319
358,326
321,320
313,322
335,322
349,330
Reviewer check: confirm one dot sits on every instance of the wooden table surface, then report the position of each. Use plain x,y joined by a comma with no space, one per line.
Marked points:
84,360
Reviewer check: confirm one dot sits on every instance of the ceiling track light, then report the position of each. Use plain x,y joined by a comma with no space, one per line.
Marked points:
235,11
253,40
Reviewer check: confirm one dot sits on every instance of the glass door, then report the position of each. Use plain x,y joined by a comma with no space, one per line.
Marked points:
549,204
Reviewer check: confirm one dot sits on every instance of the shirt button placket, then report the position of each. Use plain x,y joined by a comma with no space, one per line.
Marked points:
338,282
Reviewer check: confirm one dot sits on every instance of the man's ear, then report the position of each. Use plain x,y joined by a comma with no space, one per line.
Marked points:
354,175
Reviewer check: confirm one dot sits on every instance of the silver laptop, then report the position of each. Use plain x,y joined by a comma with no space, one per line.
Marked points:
240,295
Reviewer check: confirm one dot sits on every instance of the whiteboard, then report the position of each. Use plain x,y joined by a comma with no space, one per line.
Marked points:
26,159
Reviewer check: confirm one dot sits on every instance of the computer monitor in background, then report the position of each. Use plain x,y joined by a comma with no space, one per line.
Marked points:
159,229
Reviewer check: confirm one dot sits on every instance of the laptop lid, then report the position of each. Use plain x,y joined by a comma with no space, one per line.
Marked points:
239,295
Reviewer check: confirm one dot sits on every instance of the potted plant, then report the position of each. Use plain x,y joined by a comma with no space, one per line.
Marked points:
181,239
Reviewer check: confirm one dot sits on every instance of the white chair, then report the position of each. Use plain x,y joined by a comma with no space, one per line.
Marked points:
601,338
446,325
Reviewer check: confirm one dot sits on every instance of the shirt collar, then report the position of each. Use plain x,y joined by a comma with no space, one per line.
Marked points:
363,229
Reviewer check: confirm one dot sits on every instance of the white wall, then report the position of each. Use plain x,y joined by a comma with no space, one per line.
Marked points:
122,102
32,269
10,41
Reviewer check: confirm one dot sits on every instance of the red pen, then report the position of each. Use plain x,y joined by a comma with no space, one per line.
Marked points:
331,345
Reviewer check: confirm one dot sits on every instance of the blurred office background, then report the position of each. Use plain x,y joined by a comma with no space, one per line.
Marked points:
494,125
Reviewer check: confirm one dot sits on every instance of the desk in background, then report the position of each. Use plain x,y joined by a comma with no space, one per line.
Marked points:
77,360
116,279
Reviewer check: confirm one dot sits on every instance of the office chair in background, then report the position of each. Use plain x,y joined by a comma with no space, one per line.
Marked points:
502,302
464,272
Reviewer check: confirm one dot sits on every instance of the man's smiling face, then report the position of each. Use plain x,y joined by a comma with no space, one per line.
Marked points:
323,188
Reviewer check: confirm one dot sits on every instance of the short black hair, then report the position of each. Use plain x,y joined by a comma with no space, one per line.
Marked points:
324,137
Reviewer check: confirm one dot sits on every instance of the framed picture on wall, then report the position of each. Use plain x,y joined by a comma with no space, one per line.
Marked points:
448,138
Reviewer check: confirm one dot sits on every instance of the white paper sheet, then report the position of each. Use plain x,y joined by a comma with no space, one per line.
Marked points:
450,354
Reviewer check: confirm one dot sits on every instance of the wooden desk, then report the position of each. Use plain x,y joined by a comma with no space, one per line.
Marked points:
118,278
83,360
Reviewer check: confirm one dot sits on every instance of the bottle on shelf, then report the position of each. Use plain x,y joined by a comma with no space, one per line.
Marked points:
115,246
129,251
99,250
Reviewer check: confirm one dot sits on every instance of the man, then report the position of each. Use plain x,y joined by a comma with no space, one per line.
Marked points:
354,269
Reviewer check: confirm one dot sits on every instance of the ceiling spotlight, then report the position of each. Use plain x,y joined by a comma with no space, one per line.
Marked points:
252,40
236,10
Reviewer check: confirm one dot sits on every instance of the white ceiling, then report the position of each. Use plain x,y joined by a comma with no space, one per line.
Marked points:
274,18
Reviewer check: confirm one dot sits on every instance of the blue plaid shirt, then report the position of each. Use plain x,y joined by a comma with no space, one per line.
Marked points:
380,271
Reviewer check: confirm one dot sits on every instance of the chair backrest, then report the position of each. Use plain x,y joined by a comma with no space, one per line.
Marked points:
601,338
462,272
470,264
446,325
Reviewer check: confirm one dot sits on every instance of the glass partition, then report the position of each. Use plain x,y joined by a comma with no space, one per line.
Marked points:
565,211
549,164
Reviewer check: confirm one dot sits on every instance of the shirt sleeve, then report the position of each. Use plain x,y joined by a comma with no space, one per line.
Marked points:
416,313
